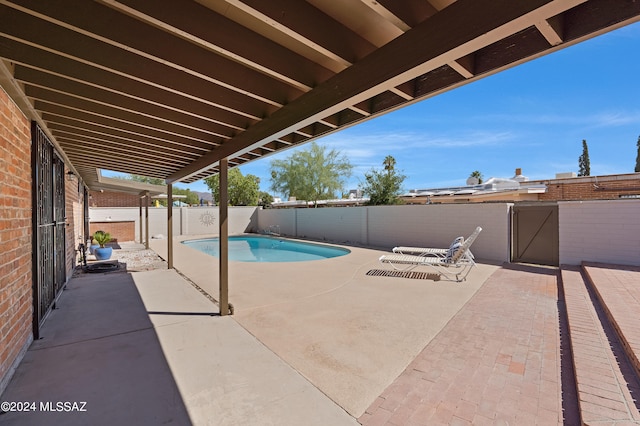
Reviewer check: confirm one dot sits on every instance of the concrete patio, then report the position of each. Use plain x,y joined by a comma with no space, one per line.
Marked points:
147,348
316,343
348,333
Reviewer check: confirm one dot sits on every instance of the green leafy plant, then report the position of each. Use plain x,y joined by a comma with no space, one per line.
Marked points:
101,237
242,190
383,187
311,175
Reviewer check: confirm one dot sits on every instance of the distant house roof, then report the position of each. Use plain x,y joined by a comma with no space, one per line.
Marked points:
320,203
127,186
494,189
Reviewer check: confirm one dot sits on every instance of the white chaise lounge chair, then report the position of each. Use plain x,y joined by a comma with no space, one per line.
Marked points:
442,252
456,263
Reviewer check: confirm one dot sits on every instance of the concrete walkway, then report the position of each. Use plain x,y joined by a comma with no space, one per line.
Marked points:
146,348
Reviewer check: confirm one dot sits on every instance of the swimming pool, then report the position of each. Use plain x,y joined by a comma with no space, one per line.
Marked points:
258,248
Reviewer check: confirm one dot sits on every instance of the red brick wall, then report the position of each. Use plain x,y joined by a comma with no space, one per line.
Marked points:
120,231
15,235
114,199
610,187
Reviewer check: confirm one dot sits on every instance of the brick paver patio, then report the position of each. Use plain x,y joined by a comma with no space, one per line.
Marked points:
619,288
498,361
605,381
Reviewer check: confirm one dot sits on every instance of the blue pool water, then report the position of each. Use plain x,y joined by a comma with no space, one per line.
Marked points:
267,249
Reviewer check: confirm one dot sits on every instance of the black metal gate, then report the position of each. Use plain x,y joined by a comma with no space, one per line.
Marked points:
535,234
49,259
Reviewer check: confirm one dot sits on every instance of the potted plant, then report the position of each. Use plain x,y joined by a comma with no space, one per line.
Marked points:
102,252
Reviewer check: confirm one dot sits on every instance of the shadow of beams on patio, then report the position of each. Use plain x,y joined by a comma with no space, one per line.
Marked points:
98,349
147,348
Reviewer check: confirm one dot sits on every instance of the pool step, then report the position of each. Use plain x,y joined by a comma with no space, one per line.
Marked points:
607,382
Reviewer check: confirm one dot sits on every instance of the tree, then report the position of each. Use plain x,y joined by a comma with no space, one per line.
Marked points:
637,169
583,161
265,199
242,190
476,174
383,187
310,175
150,180
146,179
192,197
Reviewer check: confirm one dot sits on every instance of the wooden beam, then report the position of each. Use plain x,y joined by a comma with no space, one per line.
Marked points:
464,66
298,21
223,239
552,29
146,220
124,114
144,107
85,119
142,197
169,226
106,144
119,139
193,22
132,47
428,46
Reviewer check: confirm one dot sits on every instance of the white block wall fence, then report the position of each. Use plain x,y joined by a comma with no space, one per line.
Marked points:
600,231
597,231
385,227
186,220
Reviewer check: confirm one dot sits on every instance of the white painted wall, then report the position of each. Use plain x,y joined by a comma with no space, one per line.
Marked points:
389,226
339,224
186,220
600,231
597,231
285,219
437,225
206,220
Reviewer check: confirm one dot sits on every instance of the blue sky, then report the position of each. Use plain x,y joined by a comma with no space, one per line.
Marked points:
533,116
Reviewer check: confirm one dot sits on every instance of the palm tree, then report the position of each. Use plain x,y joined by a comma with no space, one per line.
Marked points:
476,174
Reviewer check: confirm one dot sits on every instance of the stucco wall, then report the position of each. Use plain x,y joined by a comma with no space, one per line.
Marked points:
389,226
600,231
438,225
284,219
186,220
206,220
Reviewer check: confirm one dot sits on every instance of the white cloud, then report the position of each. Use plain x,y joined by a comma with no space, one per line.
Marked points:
368,146
619,118
596,119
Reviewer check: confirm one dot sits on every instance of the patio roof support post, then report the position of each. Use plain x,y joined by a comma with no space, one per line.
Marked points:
140,217
169,226
146,220
223,239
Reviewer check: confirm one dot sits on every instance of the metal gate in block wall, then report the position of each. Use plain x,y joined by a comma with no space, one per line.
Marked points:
49,221
535,234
